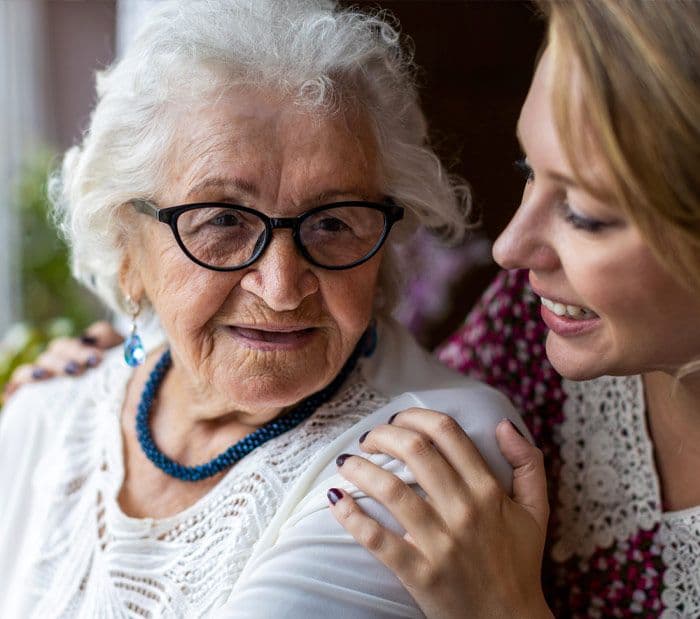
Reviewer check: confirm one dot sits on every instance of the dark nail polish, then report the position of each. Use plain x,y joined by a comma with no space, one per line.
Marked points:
92,361
334,495
39,373
72,367
363,437
516,428
392,418
341,458
88,340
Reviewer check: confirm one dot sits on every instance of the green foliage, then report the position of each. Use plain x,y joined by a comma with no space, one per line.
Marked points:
48,289
53,303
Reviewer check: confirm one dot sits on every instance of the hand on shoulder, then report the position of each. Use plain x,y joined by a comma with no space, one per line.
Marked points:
469,548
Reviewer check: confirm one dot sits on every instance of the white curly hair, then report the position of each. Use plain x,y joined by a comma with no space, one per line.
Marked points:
190,52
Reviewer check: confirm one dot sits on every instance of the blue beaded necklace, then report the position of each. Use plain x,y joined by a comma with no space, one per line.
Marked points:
242,448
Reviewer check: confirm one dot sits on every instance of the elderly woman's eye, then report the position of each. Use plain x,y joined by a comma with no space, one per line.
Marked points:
224,219
331,224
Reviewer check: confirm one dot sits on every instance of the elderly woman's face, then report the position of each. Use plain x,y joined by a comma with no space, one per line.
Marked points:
270,334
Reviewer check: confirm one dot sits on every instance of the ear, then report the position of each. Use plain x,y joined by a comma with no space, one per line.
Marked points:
130,280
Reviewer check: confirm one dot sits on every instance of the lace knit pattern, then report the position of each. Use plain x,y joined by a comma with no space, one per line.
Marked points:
604,493
611,552
97,562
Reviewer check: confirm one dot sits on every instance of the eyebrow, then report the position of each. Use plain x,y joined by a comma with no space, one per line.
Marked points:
242,186
330,194
248,189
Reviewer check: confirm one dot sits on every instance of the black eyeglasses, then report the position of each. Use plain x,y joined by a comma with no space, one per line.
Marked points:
227,237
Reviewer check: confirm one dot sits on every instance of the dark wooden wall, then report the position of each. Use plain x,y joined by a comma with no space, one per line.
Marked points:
477,59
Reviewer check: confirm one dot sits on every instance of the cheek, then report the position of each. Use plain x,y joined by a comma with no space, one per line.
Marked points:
349,297
624,284
184,295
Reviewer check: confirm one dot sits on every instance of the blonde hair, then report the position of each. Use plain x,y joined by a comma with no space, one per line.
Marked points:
639,66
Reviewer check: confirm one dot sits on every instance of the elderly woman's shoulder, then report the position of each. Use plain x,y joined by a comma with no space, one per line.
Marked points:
399,365
40,409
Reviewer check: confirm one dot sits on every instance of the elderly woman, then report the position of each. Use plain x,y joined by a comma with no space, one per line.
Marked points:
242,172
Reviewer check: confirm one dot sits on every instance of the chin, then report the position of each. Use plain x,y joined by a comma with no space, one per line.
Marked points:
273,385
574,364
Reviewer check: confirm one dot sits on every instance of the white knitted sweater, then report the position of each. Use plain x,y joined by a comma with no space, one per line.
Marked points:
261,543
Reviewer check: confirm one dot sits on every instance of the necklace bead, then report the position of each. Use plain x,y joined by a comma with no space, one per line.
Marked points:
247,444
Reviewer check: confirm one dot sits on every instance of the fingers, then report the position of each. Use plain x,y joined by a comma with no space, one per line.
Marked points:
432,471
413,513
101,335
64,356
68,356
529,479
451,441
398,554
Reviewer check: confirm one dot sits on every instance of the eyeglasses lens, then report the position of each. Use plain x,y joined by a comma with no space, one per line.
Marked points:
226,237
343,235
220,236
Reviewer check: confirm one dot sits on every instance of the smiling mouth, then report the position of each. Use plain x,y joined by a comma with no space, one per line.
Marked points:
573,312
272,335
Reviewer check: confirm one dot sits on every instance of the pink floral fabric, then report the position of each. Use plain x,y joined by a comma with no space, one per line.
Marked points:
502,343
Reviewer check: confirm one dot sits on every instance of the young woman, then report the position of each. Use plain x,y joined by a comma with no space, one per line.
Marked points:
608,240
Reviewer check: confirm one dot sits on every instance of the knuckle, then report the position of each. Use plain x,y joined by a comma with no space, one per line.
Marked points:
412,410
465,516
491,491
59,344
427,576
444,424
372,537
419,445
392,489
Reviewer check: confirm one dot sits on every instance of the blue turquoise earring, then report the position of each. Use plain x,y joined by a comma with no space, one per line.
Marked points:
134,353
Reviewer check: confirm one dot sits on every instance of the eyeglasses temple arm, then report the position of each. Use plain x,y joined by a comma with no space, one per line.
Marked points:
147,208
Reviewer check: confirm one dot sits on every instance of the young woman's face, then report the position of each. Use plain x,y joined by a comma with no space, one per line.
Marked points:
610,306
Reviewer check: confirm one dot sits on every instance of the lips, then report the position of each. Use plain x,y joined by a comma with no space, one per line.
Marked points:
563,317
272,335
272,338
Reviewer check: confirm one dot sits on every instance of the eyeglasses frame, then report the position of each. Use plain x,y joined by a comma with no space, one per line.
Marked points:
169,215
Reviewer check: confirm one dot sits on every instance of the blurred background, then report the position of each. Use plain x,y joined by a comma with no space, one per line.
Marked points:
476,59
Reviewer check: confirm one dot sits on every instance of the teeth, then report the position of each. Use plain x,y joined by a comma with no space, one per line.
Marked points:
572,311
559,309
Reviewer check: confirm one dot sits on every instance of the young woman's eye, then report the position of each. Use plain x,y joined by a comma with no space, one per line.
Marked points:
583,223
524,168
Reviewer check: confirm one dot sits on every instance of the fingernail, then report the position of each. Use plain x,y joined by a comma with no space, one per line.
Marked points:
92,361
341,458
334,495
363,437
88,340
39,373
392,418
516,428
72,367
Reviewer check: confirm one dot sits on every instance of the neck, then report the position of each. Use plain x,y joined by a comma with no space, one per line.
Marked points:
193,423
673,409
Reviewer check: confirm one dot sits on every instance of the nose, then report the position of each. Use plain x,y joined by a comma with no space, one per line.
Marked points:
281,277
526,243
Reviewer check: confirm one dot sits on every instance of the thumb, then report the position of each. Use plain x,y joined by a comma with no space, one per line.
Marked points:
529,480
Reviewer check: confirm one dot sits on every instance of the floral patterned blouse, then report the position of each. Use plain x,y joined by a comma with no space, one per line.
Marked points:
612,550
